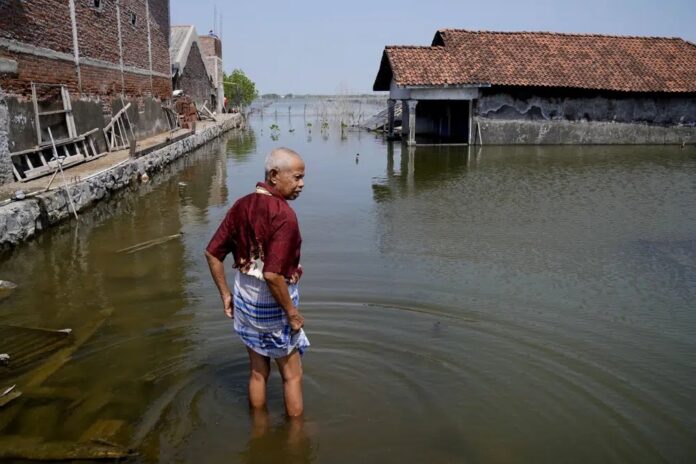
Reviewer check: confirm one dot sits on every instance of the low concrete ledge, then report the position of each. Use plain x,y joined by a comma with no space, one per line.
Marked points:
520,132
21,220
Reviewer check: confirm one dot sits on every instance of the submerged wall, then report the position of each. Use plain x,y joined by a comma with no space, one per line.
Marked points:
21,220
554,116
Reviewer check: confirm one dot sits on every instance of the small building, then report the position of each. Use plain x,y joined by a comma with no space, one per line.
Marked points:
72,65
211,47
189,71
542,88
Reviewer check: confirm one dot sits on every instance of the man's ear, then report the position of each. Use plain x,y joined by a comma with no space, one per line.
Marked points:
272,175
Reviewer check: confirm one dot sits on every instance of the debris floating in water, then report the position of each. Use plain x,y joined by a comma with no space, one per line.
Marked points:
147,244
8,395
4,359
7,285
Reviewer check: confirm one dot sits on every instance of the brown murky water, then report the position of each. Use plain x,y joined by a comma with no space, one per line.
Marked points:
489,305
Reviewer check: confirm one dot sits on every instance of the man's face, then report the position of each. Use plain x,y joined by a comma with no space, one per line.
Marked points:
289,182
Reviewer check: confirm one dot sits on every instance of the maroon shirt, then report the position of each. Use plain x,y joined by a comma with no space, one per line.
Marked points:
260,226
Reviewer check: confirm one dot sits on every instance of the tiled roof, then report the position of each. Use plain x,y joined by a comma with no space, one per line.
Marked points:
543,59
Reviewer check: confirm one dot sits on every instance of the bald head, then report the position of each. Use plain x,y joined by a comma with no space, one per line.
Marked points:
285,172
281,159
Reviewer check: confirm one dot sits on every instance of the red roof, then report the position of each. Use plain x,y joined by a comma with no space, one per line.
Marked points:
543,59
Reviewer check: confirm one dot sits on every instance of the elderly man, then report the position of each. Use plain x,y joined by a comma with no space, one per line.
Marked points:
262,233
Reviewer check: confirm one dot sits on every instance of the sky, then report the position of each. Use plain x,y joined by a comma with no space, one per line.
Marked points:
328,47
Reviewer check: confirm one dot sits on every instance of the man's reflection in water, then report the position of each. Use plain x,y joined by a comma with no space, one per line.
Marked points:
287,442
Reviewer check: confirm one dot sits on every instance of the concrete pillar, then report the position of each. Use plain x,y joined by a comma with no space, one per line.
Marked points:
470,140
411,121
390,117
5,160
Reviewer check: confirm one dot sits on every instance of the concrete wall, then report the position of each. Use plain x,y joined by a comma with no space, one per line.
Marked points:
528,116
540,132
5,162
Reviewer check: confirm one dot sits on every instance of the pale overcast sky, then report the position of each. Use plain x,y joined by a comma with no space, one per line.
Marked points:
329,47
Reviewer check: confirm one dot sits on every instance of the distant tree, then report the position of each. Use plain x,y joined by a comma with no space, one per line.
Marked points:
239,89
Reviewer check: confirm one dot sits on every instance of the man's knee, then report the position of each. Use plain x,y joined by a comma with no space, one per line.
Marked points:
291,373
259,375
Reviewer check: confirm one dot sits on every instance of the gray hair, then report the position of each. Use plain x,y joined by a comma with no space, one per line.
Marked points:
279,159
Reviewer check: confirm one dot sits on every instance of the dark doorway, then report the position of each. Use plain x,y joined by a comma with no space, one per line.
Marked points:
442,121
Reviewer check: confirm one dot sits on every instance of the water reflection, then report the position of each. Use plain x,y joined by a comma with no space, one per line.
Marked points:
288,442
76,277
242,146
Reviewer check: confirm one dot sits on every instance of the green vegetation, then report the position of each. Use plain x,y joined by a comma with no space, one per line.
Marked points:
239,89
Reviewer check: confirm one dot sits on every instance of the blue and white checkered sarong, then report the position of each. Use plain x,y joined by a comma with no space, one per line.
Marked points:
261,322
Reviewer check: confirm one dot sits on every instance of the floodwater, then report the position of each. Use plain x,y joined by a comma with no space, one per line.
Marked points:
492,305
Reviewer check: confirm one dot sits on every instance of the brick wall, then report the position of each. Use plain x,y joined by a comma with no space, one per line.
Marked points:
211,46
97,30
194,78
41,24
159,35
135,36
39,37
47,24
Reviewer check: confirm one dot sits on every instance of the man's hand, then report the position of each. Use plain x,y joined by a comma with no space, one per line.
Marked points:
296,320
217,270
227,305
279,290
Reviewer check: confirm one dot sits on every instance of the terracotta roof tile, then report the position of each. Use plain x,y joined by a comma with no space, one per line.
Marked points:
587,61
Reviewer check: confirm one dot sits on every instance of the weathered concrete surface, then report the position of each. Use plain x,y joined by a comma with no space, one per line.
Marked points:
659,110
5,161
545,132
21,220
526,117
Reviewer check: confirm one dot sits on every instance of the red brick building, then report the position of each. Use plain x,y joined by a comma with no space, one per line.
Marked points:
211,47
189,71
106,52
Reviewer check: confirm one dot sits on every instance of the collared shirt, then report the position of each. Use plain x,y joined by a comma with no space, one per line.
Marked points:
262,233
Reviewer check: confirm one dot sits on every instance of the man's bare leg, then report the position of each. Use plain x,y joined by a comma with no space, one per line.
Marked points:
290,368
260,368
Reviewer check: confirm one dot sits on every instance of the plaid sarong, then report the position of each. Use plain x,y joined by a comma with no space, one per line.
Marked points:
261,322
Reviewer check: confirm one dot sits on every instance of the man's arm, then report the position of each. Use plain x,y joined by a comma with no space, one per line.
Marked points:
217,270
279,290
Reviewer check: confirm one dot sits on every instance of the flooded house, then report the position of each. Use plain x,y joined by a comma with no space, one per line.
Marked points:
76,68
189,70
483,87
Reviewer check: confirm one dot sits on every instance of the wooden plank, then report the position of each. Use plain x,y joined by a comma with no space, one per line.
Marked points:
91,144
36,113
55,362
16,173
69,118
47,113
88,133
17,447
43,158
130,125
